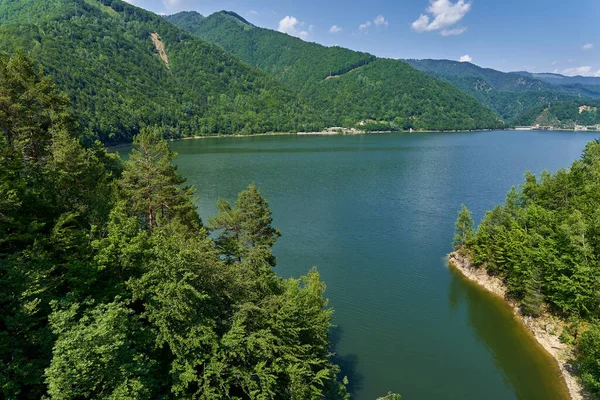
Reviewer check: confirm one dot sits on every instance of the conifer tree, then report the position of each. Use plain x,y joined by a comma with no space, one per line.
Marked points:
463,228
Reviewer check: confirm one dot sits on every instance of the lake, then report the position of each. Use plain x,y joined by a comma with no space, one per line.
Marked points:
375,213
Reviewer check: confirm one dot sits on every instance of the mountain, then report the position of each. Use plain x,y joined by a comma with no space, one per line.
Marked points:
558,79
348,86
124,68
510,95
581,115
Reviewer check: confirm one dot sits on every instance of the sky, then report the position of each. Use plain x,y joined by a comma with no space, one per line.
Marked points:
508,35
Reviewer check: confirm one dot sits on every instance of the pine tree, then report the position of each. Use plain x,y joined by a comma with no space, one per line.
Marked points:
151,184
246,228
463,228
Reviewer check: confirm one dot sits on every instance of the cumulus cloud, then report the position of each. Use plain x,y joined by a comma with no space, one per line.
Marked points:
465,58
293,27
380,21
364,27
442,14
454,32
584,70
588,46
335,29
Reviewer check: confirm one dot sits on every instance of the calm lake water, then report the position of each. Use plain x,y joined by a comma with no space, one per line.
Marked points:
375,213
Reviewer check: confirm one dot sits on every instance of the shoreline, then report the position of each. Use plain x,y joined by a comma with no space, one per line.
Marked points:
320,133
345,132
545,329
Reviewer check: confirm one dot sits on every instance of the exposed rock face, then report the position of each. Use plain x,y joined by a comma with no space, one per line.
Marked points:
160,47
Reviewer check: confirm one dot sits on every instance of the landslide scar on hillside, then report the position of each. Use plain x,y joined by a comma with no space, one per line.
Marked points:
160,47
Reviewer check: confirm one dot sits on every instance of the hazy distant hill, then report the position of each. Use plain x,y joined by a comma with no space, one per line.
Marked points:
125,67
557,79
348,86
508,94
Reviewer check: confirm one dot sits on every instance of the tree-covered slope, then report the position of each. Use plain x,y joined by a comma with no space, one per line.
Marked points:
544,242
558,79
348,86
565,115
106,54
508,94
111,287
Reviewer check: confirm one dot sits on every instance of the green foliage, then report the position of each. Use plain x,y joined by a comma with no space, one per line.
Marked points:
588,347
351,86
245,229
565,114
463,228
512,96
100,52
544,243
111,287
151,184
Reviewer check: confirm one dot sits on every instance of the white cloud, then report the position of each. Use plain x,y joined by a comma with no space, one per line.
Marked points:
584,70
588,46
442,14
454,32
171,3
554,62
465,58
293,27
364,27
335,29
380,21
252,12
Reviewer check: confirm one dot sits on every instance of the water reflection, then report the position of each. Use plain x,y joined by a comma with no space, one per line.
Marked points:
515,351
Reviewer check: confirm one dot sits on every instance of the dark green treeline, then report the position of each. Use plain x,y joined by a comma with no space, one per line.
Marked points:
111,287
545,244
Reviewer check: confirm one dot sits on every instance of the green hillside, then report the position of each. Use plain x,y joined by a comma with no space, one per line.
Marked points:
351,86
565,115
510,95
101,52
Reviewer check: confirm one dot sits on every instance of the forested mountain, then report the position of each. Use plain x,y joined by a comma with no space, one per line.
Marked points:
125,68
565,115
558,79
111,287
509,94
544,243
348,86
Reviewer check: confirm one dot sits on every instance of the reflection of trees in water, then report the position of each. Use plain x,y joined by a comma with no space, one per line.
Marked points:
526,367
347,362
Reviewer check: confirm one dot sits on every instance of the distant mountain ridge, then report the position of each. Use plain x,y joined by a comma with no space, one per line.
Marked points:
349,86
509,94
558,79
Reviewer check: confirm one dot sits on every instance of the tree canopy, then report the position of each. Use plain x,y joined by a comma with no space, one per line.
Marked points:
544,243
111,286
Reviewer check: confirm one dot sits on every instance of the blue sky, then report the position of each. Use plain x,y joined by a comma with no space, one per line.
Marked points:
508,35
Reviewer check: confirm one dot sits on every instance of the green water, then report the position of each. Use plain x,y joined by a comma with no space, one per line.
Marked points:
375,213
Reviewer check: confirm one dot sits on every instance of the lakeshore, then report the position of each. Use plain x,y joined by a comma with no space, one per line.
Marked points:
545,329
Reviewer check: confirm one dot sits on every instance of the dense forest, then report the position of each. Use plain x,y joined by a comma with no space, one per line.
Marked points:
102,55
564,115
351,86
544,243
112,287
510,95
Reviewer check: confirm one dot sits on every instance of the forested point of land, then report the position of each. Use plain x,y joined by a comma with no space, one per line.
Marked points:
112,287
544,242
